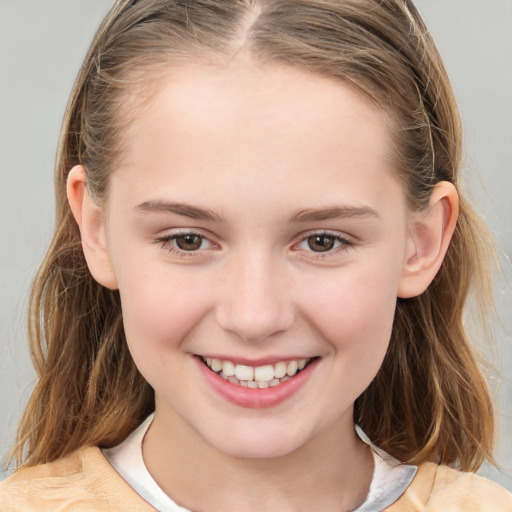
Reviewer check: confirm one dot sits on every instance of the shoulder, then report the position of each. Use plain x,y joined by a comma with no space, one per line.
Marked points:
440,488
81,481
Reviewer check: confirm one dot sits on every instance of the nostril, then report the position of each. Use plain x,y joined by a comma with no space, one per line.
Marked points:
255,324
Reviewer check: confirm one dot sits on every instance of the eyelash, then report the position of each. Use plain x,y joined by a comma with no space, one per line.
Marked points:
167,243
343,244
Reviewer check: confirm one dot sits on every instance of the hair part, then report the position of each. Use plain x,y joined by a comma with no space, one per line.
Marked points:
429,400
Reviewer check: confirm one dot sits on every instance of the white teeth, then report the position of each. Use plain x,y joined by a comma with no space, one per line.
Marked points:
260,377
264,373
280,370
228,368
292,368
243,372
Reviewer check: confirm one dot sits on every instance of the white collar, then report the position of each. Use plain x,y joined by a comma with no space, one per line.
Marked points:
390,477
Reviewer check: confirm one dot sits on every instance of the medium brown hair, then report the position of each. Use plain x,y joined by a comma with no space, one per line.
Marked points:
429,400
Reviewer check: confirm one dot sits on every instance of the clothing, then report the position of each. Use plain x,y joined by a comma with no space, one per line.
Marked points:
389,482
84,481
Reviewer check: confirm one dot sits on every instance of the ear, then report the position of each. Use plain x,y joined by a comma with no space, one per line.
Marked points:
88,216
429,238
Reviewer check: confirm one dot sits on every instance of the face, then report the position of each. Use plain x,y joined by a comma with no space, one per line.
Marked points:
254,227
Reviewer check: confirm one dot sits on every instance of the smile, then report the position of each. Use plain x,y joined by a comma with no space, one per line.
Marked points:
260,377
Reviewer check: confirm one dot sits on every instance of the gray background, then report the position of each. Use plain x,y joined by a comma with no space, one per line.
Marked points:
42,43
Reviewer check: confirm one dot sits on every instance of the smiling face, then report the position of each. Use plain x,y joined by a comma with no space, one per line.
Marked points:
256,222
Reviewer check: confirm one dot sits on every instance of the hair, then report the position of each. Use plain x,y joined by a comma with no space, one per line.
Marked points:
429,401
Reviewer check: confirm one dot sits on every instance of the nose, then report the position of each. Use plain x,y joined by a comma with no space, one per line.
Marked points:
256,301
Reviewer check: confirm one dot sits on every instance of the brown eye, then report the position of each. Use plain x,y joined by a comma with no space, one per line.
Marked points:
321,243
188,242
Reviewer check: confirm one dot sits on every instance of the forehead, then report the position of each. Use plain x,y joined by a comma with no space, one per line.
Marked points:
244,123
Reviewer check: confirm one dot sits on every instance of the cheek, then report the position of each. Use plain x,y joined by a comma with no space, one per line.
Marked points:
161,307
354,310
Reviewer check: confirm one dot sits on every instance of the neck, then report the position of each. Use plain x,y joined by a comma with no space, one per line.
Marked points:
332,471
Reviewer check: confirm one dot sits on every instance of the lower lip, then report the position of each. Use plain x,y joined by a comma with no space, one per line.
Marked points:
256,398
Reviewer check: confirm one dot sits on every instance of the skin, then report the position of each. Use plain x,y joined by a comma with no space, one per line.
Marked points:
256,147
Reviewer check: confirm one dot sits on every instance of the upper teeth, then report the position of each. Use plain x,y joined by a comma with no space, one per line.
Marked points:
266,373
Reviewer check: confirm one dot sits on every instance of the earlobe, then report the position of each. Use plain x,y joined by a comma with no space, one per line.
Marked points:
429,238
90,221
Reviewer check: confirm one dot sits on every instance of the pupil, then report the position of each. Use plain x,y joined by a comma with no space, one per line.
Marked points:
320,243
189,242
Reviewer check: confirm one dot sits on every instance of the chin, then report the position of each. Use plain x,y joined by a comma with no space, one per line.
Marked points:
257,442
258,450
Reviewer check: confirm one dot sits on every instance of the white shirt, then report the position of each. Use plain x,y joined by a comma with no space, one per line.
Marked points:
390,477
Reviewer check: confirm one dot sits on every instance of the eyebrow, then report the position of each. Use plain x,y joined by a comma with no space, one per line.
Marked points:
333,213
183,209
307,215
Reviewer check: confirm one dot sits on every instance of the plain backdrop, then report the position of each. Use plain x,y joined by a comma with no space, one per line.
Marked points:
42,44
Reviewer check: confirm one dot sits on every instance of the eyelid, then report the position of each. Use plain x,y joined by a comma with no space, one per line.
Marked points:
166,239
346,242
166,242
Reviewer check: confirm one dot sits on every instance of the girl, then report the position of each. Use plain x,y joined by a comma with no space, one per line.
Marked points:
261,243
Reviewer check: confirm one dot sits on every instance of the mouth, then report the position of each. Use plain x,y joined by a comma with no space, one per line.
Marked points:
256,377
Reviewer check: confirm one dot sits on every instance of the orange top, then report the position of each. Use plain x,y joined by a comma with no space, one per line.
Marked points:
85,481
